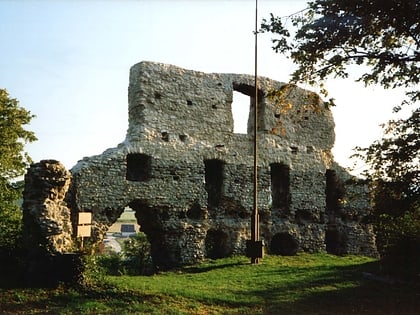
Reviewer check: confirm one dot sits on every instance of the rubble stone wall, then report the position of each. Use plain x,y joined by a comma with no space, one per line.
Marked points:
189,177
47,221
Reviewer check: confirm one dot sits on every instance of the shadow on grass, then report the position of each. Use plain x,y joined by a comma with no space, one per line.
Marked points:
269,289
338,290
92,301
202,269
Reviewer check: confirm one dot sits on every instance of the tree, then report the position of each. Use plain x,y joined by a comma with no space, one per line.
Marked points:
382,38
394,174
333,35
13,163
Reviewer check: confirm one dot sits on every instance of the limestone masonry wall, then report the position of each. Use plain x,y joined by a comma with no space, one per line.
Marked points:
188,176
47,221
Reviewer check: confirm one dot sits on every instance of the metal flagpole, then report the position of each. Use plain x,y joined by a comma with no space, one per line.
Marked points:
255,216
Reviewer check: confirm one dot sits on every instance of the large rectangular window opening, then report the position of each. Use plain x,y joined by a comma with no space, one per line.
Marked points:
240,112
334,192
335,240
139,167
214,169
280,186
243,107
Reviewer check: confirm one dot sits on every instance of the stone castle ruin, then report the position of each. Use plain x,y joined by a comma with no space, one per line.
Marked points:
189,177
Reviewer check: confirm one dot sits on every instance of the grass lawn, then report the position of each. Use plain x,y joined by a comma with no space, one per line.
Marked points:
302,284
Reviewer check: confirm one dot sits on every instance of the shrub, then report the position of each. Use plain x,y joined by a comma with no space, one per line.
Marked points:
137,257
399,244
112,264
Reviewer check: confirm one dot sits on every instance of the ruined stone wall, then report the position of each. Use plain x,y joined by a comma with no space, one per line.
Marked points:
47,224
190,178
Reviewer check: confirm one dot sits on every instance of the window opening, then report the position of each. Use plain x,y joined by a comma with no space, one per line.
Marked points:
139,167
240,112
334,192
280,186
214,181
335,240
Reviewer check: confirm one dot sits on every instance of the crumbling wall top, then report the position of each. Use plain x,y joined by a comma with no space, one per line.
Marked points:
171,103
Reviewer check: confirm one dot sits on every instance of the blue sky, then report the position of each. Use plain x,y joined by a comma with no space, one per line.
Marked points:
68,63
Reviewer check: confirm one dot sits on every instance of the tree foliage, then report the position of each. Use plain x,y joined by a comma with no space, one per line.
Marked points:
381,38
394,171
330,36
396,157
13,163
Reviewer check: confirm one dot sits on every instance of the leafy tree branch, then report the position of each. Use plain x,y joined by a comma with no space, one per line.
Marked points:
13,163
329,36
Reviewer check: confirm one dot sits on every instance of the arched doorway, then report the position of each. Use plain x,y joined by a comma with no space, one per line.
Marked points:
151,220
284,244
216,244
336,242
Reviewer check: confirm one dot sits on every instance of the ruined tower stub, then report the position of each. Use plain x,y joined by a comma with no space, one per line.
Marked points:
47,224
188,176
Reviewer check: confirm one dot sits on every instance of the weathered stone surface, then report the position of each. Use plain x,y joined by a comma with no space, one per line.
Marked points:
46,217
190,178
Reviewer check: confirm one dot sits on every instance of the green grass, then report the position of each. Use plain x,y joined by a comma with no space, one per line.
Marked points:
303,284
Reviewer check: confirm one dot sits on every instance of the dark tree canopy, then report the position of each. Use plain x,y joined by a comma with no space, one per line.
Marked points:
394,173
333,35
380,39
394,162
